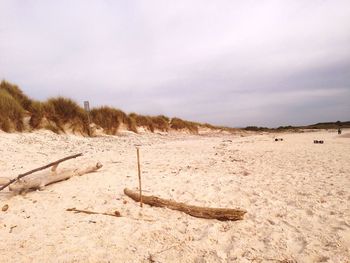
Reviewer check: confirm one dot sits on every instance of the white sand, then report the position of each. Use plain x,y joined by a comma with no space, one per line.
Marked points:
297,195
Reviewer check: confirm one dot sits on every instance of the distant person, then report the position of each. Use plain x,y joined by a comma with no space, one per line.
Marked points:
339,131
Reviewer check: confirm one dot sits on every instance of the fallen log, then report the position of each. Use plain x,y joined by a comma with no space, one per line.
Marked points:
222,214
38,169
54,176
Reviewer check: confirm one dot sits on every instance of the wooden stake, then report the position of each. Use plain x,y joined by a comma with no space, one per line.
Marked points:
139,173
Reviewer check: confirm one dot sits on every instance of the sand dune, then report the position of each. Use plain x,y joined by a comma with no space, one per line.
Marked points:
297,195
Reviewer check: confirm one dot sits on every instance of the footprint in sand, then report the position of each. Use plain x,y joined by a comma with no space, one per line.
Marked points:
296,242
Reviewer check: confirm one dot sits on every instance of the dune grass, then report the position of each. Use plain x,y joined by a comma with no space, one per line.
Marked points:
160,122
142,121
63,111
151,123
59,114
179,124
17,94
62,108
37,114
11,113
108,118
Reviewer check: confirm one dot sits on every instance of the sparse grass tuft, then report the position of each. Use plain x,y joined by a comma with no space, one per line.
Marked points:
178,124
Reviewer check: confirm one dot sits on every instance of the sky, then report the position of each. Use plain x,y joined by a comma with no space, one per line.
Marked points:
233,63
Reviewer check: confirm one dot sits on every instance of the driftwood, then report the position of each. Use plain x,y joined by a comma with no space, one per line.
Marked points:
4,180
8,181
116,213
39,182
222,214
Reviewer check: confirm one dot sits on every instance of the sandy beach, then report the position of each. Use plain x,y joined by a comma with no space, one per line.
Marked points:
296,193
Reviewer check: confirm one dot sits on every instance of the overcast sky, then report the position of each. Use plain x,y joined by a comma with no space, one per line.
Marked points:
236,63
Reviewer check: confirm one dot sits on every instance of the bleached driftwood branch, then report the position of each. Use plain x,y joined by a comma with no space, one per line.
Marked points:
4,180
11,181
222,214
39,182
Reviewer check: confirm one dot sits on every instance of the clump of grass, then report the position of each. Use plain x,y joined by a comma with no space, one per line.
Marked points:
62,110
131,123
151,122
52,128
109,118
17,94
37,114
160,122
142,120
179,124
11,112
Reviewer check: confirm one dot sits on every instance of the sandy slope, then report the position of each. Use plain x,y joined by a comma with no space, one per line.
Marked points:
297,195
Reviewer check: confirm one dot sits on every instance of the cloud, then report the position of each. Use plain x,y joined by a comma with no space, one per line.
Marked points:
224,62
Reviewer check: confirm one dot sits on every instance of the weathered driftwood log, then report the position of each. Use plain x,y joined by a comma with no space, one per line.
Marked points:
222,214
11,181
46,178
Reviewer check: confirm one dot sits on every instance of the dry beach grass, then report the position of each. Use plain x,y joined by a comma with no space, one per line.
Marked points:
63,115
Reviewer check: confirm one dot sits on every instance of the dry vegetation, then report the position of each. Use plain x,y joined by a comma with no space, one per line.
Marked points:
55,114
151,123
11,113
109,118
61,114
178,124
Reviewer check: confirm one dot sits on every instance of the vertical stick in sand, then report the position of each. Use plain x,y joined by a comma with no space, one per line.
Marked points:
139,172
